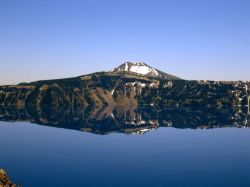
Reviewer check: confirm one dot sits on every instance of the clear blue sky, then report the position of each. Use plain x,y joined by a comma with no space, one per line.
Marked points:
192,39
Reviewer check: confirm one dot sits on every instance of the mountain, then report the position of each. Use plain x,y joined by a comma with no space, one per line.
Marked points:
143,69
130,85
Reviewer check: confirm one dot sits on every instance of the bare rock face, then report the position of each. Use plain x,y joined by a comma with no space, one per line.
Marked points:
4,180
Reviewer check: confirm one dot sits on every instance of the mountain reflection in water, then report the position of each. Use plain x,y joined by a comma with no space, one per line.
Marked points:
137,120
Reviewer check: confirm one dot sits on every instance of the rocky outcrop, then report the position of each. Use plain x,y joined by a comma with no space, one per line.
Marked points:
5,181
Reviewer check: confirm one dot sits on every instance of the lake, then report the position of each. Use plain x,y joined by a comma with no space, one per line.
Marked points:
37,156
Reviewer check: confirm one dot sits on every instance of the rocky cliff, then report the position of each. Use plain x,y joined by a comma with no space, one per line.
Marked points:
112,89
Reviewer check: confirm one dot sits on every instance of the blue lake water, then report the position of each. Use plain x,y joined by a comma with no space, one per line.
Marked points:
38,156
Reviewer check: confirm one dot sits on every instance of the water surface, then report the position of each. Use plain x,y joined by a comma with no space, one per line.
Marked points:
38,156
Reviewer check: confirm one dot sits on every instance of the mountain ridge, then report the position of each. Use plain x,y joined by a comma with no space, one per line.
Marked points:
125,89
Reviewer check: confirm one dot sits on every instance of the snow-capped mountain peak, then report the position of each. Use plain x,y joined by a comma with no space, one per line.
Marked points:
142,69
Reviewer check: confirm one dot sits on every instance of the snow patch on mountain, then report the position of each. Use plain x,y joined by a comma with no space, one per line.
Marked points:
126,66
143,69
